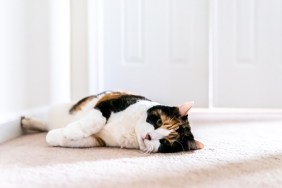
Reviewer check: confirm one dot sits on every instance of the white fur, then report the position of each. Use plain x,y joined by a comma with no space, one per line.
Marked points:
59,114
125,129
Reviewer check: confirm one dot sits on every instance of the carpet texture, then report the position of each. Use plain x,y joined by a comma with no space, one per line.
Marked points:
236,154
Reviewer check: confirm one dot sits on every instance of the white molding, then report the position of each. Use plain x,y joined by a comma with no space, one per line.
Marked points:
10,129
233,115
95,45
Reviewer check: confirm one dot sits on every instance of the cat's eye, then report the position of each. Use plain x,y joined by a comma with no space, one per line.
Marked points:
159,122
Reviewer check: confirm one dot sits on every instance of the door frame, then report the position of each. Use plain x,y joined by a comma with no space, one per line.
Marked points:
95,45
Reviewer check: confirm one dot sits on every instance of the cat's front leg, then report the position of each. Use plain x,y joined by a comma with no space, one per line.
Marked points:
88,125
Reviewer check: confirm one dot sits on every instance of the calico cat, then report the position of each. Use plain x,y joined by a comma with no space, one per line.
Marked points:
118,119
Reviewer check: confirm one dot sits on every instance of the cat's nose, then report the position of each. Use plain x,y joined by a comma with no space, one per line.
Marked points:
147,137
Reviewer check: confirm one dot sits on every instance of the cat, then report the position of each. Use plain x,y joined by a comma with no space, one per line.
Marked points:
118,119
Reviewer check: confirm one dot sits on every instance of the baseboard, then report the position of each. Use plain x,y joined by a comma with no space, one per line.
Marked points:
10,130
10,126
215,115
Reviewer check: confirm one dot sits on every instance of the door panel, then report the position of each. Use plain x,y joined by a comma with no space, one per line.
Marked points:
157,48
248,54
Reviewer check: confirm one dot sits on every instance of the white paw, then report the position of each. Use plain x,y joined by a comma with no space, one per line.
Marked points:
73,132
55,137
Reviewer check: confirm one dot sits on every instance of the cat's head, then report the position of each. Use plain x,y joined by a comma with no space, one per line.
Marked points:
168,130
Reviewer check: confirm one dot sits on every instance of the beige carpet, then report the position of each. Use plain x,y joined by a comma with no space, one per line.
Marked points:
236,155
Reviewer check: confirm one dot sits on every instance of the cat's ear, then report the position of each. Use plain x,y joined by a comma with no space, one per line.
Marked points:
195,145
199,145
184,108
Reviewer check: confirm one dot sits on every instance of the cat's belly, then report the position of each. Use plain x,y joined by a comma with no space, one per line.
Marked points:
118,138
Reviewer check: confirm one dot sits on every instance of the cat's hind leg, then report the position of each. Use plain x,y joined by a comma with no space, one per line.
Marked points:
86,126
33,124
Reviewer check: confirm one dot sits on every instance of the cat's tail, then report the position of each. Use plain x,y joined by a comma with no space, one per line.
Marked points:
33,124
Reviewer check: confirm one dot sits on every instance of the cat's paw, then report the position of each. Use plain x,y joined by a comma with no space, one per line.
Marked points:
55,137
25,122
73,132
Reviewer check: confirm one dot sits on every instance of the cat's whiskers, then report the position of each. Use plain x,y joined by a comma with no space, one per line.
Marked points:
152,150
149,149
189,147
146,151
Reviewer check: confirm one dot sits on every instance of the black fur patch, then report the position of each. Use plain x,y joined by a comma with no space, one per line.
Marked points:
185,142
117,104
154,114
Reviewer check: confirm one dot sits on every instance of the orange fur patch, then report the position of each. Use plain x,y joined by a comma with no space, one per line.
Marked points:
80,104
169,124
111,96
100,141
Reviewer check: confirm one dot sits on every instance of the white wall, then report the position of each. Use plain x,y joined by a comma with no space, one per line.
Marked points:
13,55
34,53
79,49
59,45
37,46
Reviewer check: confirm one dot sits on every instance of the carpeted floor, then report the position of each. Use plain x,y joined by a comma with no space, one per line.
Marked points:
236,154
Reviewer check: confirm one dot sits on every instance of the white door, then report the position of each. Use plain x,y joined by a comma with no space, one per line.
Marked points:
158,48
248,53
